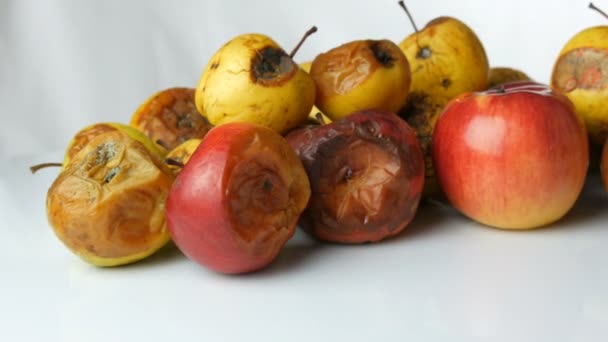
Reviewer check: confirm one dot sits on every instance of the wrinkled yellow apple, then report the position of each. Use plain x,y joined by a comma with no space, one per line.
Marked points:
359,75
107,204
82,137
581,73
446,59
251,79
170,117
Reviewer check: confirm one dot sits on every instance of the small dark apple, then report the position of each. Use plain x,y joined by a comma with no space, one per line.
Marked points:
366,173
238,199
514,157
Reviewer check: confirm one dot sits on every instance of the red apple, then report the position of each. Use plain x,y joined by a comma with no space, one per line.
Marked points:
513,157
366,172
604,165
238,199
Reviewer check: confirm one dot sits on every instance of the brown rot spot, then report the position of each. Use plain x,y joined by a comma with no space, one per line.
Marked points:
446,83
215,65
585,68
382,53
424,53
272,67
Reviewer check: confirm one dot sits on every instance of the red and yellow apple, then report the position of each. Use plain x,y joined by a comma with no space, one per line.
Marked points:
514,157
237,200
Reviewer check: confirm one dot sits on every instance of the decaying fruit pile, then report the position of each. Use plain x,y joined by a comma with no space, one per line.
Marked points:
344,147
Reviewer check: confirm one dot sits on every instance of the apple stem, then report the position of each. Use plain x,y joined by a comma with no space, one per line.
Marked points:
595,8
37,167
163,144
320,118
174,162
308,33
409,15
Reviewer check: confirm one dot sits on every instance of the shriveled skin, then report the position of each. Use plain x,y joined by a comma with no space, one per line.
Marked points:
107,205
181,154
360,75
251,79
82,138
421,113
581,73
366,173
446,59
502,75
237,201
604,166
170,117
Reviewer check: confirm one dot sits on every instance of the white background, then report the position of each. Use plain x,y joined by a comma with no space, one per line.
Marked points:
67,64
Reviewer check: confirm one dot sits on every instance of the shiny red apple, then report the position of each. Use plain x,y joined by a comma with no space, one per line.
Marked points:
513,157
366,173
238,199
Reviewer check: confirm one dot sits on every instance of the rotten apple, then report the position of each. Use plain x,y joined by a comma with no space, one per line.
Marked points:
366,173
238,199
512,157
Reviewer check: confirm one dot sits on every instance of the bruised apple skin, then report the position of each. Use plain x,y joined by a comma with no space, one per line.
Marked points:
107,204
82,138
366,173
238,199
170,117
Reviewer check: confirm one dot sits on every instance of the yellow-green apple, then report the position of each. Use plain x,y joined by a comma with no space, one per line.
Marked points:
512,157
366,173
581,73
237,200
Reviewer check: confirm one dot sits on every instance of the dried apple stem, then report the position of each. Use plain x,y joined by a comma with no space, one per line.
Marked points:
308,33
174,162
595,8
163,144
320,118
409,15
37,167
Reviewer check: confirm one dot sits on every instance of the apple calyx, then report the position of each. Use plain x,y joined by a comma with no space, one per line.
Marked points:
382,53
35,168
272,66
597,9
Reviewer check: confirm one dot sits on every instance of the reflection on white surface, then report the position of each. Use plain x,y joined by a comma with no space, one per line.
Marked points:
444,279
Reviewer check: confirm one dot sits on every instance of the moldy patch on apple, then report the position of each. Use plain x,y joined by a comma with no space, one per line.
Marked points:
584,68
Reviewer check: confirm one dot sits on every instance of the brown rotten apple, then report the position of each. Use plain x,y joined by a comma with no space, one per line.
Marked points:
237,200
366,173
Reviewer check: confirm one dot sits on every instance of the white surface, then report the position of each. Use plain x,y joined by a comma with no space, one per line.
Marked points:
66,64
444,279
